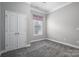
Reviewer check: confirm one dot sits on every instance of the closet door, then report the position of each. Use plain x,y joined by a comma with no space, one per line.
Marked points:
22,25
15,30
10,30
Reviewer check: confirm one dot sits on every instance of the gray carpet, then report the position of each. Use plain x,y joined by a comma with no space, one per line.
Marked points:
44,48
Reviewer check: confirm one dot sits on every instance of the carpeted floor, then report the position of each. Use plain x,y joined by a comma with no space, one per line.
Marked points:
44,48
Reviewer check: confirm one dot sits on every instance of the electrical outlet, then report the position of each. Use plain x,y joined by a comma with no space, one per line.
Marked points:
77,28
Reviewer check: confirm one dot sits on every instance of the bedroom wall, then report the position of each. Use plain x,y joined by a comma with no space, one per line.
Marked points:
0,27
63,25
18,7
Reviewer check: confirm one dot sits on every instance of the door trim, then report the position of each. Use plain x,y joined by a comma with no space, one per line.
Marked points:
27,45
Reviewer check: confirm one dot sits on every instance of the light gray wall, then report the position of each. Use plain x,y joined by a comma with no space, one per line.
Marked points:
0,26
62,24
18,7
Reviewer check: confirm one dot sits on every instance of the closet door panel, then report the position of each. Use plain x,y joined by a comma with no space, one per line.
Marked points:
10,30
22,25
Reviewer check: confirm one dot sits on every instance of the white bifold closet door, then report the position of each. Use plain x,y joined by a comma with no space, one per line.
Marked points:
15,30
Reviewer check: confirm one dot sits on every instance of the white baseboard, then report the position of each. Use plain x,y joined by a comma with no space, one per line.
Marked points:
74,46
10,50
38,40
28,45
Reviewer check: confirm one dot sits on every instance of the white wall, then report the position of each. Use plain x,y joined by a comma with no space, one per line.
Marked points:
18,7
62,24
0,27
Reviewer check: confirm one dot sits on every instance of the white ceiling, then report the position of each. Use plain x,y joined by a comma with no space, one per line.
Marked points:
49,6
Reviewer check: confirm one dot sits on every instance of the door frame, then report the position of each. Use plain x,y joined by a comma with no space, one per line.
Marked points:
27,45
